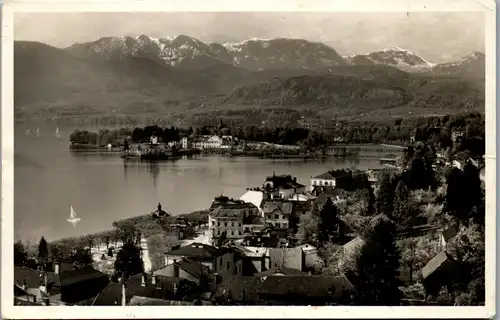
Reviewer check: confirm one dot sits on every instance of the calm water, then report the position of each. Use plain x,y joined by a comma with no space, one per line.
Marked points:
103,188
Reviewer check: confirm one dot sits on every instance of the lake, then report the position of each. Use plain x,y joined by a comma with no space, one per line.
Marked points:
102,187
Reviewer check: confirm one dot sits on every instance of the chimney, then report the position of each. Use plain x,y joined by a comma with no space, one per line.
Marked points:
56,267
124,292
143,281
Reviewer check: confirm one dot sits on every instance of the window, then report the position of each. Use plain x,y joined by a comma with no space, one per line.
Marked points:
232,232
218,223
239,233
228,265
239,224
232,224
225,224
269,216
276,216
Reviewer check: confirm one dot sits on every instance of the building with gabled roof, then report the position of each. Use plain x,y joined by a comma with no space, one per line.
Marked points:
200,252
440,271
278,213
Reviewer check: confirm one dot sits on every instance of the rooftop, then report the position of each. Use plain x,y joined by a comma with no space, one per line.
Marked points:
277,271
435,263
195,250
163,289
306,286
283,207
194,268
285,181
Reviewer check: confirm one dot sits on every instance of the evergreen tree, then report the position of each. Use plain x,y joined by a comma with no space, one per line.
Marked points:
20,254
330,225
474,192
43,249
377,265
384,203
128,261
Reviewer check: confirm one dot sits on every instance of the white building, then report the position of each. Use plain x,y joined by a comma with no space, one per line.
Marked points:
185,143
283,186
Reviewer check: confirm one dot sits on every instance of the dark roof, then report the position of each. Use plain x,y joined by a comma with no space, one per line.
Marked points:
331,174
450,232
306,286
83,274
280,270
239,288
284,182
271,206
221,211
194,268
163,289
33,277
439,260
19,292
264,241
195,250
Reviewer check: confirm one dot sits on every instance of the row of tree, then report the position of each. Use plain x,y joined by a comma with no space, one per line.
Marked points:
435,130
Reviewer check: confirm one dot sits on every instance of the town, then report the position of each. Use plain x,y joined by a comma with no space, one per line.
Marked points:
411,233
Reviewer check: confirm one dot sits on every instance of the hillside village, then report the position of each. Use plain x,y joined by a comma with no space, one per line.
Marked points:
406,235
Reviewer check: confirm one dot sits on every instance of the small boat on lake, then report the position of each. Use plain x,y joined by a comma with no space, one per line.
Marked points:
73,219
57,133
38,132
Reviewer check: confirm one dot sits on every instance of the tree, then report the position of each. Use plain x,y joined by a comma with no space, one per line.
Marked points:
127,233
377,265
384,202
222,239
416,253
308,228
468,247
330,226
43,249
128,261
405,210
20,254
81,256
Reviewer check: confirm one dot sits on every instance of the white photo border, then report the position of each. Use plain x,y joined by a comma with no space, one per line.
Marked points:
75,312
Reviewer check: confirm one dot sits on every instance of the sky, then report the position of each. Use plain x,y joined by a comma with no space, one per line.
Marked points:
436,36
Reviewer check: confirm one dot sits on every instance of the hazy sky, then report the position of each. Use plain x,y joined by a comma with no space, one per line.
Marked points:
438,37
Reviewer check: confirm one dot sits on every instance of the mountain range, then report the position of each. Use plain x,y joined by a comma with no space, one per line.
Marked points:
257,71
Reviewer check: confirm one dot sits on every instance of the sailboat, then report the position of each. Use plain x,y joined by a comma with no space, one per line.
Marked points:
57,133
73,219
38,132
28,132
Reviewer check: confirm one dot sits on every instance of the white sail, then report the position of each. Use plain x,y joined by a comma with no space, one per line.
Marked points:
73,219
57,132
38,132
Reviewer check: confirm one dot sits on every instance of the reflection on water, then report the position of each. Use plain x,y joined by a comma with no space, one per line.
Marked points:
102,187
